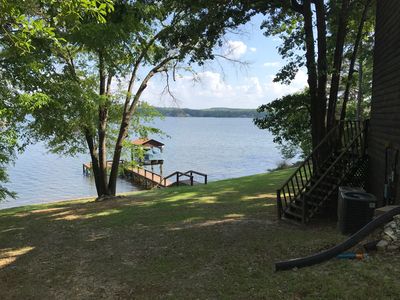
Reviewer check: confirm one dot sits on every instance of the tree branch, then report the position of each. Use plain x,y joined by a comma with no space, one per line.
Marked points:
353,58
142,55
159,68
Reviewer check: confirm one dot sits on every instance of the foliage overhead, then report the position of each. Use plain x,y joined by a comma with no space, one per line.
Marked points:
329,38
21,23
82,87
288,119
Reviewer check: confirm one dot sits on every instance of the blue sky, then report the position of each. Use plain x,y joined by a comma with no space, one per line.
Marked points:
225,84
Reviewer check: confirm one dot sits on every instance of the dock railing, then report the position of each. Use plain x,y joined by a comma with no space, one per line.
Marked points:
191,172
177,176
148,174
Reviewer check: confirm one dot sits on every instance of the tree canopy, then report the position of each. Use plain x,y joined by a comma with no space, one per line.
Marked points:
22,22
327,38
79,68
288,119
91,80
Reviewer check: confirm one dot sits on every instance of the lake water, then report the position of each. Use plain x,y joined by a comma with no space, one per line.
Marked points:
219,147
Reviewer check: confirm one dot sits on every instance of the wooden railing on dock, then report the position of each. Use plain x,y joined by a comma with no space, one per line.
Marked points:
189,174
145,177
149,179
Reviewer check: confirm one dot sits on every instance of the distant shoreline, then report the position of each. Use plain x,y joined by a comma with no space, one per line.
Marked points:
218,112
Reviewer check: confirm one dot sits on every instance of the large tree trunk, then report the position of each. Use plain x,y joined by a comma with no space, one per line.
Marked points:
353,59
95,164
101,130
337,63
317,80
312,71
360,89
322,67
129,109
123,133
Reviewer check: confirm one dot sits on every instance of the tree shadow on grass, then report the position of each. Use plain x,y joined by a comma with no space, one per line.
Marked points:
191,241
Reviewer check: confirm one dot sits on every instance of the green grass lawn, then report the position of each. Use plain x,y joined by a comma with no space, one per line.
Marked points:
217,241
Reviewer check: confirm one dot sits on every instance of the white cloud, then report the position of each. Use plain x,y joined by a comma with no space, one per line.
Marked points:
235,49
272,64
253,49
212,91
278,90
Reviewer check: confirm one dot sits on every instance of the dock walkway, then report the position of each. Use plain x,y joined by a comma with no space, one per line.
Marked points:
149,179
146,178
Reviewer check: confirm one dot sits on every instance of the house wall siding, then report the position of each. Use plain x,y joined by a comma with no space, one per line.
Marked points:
384,127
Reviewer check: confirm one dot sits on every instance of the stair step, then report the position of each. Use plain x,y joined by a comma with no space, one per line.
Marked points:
294,214
326,184
315,200
321,189
297,206
300,205
331,179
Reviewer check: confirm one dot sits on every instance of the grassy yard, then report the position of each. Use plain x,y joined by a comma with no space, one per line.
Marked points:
217,241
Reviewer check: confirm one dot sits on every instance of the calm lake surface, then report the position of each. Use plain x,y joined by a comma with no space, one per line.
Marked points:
219,147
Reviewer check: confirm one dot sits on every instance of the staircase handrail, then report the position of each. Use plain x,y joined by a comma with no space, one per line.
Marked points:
310,156
307,166
327,171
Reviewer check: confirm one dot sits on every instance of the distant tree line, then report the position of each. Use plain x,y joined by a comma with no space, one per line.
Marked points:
210,112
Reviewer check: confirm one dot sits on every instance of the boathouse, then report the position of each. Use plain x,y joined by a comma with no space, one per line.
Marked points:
148,143
152,155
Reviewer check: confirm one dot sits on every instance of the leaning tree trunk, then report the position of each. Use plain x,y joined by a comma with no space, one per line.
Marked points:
337,64
129,109
123,133
353,59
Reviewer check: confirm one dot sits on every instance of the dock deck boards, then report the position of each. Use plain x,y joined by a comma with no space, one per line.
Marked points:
150,179
155,178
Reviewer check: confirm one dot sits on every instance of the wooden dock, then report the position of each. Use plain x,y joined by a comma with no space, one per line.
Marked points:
146,178
149,179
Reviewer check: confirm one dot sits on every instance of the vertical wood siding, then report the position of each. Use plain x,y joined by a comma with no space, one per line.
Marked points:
385,110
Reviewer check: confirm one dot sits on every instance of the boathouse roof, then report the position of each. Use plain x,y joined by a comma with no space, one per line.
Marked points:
148,143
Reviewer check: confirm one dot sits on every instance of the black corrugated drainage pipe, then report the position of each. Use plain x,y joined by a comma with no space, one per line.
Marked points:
332,252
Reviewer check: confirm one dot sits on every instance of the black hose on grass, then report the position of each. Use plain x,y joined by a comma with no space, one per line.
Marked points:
334,251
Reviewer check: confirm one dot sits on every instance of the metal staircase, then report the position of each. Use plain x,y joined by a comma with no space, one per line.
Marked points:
315,183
